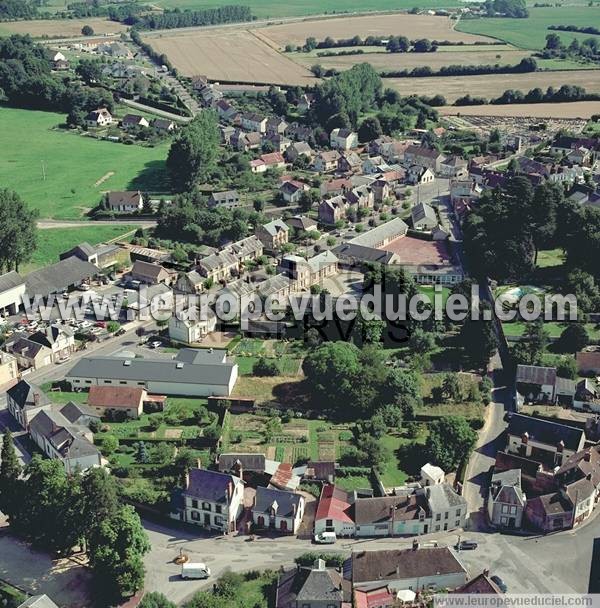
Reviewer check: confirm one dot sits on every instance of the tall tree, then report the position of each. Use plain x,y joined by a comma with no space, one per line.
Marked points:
10,470
18,231
116,555
194,152
450,441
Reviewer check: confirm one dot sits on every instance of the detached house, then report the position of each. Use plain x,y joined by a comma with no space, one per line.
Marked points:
343,139
418,174
209,499
99,118
326,161
292,191
300,148
506,501
254,122
424,217
150,274
426,157
128,201
273,235
333,210
454,167
192,329
230,199
132,121
115,400
278,510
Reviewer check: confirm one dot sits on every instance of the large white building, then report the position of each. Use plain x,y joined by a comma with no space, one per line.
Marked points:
194,373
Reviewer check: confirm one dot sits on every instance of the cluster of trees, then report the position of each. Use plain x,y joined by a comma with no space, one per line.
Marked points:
527,64
586,49
17,9
124,12
566,93
340,101
157,58
170,19
190,219
27,81
194,152
506,8
594,31
18,231
503,235
56,512
401,44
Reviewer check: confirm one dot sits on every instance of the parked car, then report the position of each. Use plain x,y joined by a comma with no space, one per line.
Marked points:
325,538
499,583
120,332
155,344
466,545
195,570
84,287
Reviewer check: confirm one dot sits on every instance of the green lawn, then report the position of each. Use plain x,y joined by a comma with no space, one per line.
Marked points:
53,241
353,482
77,169
553,328
270,8
392,475
531,33
430,292
550,257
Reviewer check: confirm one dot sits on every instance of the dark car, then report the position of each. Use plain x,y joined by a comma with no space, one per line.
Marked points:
466,545
499,583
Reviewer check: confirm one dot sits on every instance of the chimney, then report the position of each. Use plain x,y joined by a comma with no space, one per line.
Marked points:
187,480
587,456
560,446
486,572
525,437
198,463
228,491
36,399
238,469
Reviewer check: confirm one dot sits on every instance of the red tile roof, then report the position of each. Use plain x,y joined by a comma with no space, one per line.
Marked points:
115,396
332,505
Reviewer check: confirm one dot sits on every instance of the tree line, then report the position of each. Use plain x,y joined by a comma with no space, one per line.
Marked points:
56,512
565,93
506,8
27,81
527,64
594,31
175,18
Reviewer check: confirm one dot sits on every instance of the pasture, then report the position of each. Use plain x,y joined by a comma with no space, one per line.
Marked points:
271,8
64,174
576,109
530,33
493,85
406,61
226,55
54,241
60,28
398,24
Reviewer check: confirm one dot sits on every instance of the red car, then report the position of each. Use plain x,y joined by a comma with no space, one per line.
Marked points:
101,324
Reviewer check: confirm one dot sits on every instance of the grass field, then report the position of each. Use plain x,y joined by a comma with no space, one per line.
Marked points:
77,169
60,28
531,33
227,55
406,61
53,241
553,329
399,24
270,8
493,85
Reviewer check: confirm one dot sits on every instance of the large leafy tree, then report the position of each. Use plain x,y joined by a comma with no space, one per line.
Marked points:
450,441
194,152
18,231
10,470
116,554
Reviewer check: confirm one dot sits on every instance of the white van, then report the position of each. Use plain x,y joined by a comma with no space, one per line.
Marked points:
196,570
325,538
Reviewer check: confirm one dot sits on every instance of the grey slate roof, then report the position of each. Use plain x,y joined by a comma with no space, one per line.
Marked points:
423,211
209,485
442,497
359,253
74,411
38,601
545,431
152,370
249,462
276,226
23,394
287,502
391,229
201,355
58,277
319,586
535,374
9,280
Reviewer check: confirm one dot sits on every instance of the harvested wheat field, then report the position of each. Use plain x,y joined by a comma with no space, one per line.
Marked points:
576,109
408,61
397,24
493,85
234,56
60,28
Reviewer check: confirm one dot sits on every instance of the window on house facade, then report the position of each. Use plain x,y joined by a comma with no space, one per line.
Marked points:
218,509
206,506
438,517
195,516
457,523
194,503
